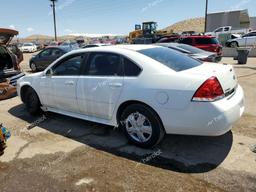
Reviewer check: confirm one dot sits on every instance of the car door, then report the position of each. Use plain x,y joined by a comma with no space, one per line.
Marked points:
43,59
251,39
59,84
100,86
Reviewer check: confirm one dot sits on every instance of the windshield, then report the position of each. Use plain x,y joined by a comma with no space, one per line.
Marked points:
171,58
27,44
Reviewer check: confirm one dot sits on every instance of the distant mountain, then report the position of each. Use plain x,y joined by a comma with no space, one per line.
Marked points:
195,24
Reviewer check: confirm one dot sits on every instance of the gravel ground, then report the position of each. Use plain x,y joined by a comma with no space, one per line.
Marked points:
61,153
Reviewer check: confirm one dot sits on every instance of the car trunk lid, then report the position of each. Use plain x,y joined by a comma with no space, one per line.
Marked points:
224,73
6,35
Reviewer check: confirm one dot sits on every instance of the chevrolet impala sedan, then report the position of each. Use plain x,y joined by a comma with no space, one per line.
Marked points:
146,90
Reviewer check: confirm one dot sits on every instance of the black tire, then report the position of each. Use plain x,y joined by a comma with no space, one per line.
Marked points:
155,122
33,67
32,102
234,44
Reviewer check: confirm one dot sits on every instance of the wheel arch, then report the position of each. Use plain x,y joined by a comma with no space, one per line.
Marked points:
23,90
125,104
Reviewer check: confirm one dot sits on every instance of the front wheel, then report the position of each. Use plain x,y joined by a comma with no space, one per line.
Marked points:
32,102
142,126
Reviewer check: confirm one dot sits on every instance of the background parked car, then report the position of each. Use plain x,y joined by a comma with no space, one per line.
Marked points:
28,48
193,52
248,39
53,44
207,43
44,58
70,44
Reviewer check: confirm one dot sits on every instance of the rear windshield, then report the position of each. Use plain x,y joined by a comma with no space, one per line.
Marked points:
204,41
189,48
171,58
27,44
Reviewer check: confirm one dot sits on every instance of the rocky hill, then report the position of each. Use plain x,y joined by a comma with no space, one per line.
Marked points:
195,24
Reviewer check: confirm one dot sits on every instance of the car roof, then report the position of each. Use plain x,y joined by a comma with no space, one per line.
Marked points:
114,48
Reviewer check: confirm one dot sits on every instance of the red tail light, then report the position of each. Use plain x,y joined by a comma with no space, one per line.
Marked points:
210,90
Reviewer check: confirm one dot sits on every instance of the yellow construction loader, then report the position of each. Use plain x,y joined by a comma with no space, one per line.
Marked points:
147,34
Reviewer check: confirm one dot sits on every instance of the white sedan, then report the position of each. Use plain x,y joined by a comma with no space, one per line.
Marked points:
28,47
146,90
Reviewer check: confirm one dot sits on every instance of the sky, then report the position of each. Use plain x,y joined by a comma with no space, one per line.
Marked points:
106,16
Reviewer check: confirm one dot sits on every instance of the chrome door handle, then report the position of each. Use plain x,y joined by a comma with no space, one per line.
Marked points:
115,84
69,83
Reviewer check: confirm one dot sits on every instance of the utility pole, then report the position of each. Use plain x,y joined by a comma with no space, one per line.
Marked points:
206,12
54,18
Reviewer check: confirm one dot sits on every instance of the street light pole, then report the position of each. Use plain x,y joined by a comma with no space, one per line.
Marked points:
206,11
54,18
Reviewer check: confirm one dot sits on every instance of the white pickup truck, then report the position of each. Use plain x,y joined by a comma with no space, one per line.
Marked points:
227,29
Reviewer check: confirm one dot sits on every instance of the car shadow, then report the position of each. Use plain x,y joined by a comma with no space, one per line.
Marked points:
186,154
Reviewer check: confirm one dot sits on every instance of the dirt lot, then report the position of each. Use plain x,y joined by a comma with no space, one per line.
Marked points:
59,153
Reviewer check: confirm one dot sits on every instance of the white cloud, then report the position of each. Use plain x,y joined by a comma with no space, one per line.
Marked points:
66,3
11,26
68,31
30,29
151,4
240,4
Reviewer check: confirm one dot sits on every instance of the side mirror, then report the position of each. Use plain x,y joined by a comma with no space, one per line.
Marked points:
49,73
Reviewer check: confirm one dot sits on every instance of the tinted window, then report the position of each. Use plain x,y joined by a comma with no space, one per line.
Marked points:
70,66
56,52
226,29
173,59
130,68
46,53
252,34
104,64
186,41
204,41
219,30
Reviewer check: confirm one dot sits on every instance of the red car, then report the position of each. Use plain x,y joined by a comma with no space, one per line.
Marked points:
207,43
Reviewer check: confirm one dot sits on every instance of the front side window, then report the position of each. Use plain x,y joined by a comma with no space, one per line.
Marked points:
56,52
104,64
69,67
172,59
46,53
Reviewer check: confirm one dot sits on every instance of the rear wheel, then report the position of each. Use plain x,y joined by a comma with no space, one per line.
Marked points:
32,102
33,67
142,125
234,44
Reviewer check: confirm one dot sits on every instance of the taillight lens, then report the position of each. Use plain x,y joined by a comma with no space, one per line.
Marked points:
210,90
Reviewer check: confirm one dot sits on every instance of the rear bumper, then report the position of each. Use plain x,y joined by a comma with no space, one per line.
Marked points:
205,118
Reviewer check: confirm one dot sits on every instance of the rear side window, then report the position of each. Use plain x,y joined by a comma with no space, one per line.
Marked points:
171,58
104,64
130,68
205,41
